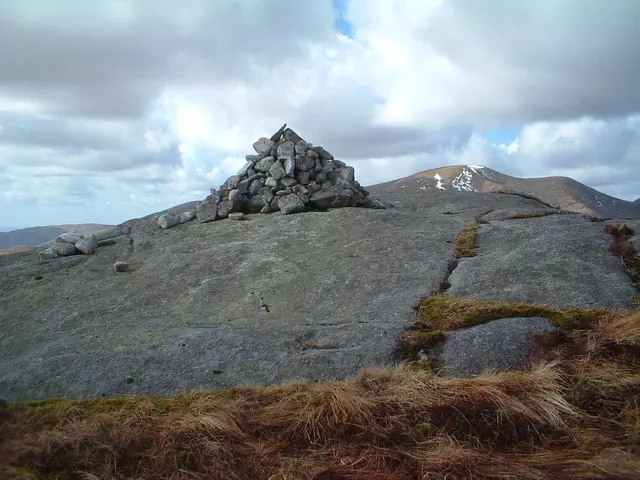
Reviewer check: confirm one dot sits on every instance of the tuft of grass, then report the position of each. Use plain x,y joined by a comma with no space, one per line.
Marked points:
424,365
623,248
448,312
414,342
465,245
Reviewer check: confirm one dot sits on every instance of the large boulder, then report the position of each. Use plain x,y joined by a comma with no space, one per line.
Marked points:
335,197
87,246
504,344
263,146
64,248
207,212
291,204
168,220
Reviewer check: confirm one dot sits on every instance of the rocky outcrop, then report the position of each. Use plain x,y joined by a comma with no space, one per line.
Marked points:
74,243
287,175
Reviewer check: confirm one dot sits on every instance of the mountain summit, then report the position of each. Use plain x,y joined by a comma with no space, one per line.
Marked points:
562,192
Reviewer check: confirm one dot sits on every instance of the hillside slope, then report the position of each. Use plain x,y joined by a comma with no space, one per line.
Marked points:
558,191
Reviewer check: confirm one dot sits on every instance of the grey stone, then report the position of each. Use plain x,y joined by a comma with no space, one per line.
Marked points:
303,177
227,206
290,204
87,246
329,166
318,167
301,147
335,197
271,182
263,146
120,266
232,182
257,203
237,216
291,136
305,163
49,253
266,193
286,149
311,153
313,187
107,242
525,211
236,196
206,212
64,249
265,164
252,158
557,260
339,164
187,216
168,220
266,209
288,181
202,288
304,197
290,166
323,153
69,237
282,193
256,186
276,136
277,172
504,344
321,177
243,186
251,172
243,171
347,174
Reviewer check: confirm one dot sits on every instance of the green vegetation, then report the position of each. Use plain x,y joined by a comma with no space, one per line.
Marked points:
448,312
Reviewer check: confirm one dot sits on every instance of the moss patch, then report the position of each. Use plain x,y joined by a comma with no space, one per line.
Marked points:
466,242
415,341
448,312
421,366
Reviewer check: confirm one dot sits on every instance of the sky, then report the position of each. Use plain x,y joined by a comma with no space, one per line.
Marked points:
115,109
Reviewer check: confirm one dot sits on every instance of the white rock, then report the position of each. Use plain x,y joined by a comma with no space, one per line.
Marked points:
236,216
168,220
48,253
120,267
87,245
69,237
263,146
187,216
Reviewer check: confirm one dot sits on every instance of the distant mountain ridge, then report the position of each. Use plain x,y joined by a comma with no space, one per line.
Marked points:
563,192
33,236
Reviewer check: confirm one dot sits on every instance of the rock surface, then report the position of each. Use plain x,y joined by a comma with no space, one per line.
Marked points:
557,260
504,344
87,246
246,298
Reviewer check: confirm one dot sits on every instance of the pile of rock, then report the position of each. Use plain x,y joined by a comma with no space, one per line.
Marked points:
74,243
287,175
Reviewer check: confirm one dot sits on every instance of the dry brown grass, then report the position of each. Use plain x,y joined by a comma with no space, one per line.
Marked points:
576,415
465,245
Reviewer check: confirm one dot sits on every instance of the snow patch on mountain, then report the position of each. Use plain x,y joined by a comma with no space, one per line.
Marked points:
439,184
464,181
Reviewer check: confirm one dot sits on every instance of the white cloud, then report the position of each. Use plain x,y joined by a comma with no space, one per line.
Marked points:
116,108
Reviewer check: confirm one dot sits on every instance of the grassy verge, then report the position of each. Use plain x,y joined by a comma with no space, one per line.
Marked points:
624,249
573,418
448,312
465,245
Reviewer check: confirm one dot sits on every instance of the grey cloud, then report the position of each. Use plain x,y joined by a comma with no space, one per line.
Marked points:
554,59
107,67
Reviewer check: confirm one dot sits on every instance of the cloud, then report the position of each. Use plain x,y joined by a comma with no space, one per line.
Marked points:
113,109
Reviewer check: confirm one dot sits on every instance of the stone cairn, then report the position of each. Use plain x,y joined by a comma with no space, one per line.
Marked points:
287,175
